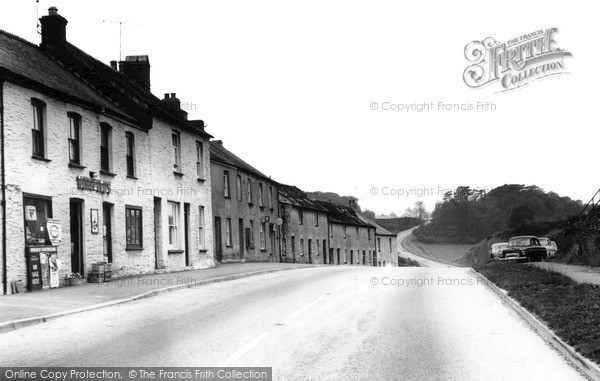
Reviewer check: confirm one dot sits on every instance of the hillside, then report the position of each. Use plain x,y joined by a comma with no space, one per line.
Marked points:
397,225
470,216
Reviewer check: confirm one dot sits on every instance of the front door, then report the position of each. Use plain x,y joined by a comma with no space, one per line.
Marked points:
272,239
218,242
76,219
107,231
241,237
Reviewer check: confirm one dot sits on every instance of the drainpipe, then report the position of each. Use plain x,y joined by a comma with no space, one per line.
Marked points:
2,170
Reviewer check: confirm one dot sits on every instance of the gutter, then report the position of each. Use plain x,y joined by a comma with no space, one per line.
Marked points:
3,184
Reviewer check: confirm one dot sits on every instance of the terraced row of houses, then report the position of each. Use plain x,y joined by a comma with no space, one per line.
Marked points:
96,169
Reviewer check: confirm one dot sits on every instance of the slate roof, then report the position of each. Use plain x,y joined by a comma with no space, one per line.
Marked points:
72,75
28,65
289,194
222,155
379,230
343,214
120,89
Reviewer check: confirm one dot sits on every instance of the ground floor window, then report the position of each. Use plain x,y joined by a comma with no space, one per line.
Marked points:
133,226
201,232
173,217
263,238
35,212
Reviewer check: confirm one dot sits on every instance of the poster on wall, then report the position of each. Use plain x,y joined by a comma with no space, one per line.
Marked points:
94,221
54,231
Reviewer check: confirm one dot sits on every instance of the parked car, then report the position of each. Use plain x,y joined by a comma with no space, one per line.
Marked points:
496,250
525,248
550,246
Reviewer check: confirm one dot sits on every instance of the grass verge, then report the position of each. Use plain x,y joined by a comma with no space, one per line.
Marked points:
570,309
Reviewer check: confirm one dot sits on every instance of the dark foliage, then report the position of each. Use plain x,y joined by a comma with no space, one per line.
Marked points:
468,216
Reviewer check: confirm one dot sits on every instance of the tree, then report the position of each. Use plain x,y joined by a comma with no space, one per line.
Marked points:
520,216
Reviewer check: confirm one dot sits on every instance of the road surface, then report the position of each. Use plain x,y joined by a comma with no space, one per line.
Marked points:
323,323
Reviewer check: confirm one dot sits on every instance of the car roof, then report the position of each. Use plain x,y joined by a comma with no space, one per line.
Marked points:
524,236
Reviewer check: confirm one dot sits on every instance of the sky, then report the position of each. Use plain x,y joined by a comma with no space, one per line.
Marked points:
290,87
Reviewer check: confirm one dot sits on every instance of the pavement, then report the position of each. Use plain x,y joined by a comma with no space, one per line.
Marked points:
32,307
321,323
580,274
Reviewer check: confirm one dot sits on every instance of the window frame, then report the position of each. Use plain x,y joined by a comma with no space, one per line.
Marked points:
226,184
261,202
263,236
176,144
199,160
173,224
139,227
249,192
106,163
201,229
75,122
238,185
130,139
38,129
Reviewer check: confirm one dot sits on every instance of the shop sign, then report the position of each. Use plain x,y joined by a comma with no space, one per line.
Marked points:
93,185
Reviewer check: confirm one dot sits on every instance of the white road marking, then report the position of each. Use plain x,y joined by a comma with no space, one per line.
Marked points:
243,350
306,307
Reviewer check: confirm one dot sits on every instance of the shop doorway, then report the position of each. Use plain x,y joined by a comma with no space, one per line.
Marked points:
107,231
76,227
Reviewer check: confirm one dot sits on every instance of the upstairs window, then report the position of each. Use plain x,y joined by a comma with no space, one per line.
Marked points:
74,138
249,194
105,146
316,219
38,129
239,188
176,140
200,160
226,189
260,195
270,198
130,153
301,216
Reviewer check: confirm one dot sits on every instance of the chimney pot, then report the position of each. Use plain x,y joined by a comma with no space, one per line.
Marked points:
166,95
113,64
173,95
52,11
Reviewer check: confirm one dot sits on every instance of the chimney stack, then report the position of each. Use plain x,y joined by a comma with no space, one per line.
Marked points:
54,30
113,65
174,103
137,68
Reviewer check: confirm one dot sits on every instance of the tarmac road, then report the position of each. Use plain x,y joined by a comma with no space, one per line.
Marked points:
323,323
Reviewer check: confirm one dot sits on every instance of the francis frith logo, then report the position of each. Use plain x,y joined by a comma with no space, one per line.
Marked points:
515,63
